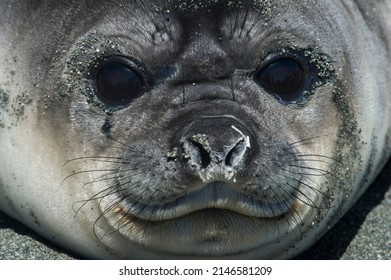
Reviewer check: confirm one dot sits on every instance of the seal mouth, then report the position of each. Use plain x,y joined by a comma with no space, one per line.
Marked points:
214,195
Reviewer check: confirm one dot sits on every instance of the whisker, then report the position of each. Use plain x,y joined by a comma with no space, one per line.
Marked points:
304,141
286,196
320,172
314,155
99,195
95,158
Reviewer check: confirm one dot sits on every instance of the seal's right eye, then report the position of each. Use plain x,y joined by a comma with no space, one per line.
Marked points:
284,78
119,82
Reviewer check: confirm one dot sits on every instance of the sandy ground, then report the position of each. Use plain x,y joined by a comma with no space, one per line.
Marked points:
363,233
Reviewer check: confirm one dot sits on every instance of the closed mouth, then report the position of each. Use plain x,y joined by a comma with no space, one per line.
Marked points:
215,195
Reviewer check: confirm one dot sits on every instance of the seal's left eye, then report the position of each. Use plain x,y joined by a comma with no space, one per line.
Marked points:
284,78
118,83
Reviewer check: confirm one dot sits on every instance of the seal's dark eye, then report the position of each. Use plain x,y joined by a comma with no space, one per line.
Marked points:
118,83
284,77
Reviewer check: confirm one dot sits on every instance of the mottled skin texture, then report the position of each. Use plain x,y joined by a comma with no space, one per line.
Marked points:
128,181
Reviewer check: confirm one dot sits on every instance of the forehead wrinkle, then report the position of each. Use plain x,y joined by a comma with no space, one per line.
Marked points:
139,28
300,26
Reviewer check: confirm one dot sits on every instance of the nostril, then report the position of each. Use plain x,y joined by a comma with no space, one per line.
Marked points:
197,154
235,155
200,153
218,150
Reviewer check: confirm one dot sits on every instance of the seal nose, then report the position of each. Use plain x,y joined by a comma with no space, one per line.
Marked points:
200,153
215,145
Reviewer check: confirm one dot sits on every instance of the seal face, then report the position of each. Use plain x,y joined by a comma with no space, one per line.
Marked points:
192,129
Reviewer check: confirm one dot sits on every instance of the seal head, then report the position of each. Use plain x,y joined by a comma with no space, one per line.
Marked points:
192,129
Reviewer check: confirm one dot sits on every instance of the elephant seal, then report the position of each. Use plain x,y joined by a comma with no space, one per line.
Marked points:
191,128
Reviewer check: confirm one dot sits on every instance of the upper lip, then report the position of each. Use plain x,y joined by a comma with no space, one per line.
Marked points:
215,195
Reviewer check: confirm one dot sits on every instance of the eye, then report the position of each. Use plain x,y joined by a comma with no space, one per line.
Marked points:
119,82
284,78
